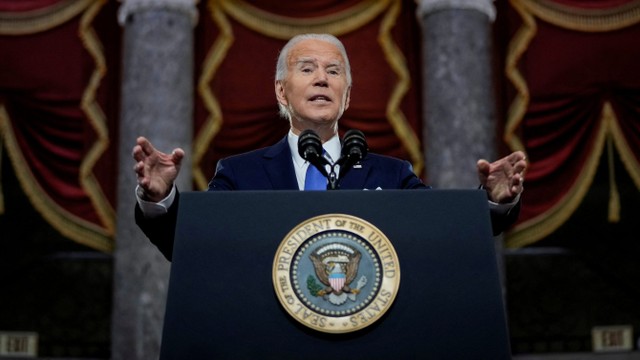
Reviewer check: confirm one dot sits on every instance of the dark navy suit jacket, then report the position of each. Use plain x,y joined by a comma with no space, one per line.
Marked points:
271,168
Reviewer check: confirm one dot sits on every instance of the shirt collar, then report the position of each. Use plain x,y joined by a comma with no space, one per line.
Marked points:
332,147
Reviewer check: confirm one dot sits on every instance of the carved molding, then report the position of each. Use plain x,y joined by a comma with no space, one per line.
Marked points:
132,6
426,7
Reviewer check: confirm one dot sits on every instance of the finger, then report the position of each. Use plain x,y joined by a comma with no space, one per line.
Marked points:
517,184
518,155
138,168
144,184
177,155
515,157
145,145
517,179
520,167
137,153
517,189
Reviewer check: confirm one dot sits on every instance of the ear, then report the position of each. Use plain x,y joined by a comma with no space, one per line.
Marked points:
280,92
348,99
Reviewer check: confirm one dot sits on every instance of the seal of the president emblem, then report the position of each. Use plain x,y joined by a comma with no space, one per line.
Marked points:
336,273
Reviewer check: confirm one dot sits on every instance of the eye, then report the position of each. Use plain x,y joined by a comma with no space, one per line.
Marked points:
333,70
306,70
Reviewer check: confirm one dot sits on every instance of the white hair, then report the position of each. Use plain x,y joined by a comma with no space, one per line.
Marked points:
282,68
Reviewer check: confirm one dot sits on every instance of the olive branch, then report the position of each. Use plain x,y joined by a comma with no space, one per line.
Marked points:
313,286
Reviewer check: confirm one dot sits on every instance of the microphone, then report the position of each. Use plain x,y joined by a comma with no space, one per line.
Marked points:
310,149
354,149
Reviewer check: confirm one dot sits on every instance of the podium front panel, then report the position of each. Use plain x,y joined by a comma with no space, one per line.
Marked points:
222,304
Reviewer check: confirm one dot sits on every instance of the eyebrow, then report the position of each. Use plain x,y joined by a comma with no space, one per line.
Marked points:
303,61
310,60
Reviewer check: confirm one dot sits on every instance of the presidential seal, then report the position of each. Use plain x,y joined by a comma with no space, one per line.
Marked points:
336,273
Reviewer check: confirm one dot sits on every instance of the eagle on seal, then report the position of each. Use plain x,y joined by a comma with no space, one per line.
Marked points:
336,266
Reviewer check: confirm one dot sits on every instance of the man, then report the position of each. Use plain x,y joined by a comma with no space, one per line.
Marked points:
313,88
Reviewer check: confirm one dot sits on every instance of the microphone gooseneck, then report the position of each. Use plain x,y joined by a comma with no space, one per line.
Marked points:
310,149
354,149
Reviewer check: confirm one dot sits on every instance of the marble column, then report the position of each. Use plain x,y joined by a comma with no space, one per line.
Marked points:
157,102
458,98
458,94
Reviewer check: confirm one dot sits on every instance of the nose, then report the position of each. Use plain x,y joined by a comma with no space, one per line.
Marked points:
321,79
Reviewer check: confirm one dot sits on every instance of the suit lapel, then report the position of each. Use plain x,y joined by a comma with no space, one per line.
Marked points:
356,177
279,166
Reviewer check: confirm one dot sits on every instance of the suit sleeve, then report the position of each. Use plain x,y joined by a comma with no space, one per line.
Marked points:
161,229
502,221
499,221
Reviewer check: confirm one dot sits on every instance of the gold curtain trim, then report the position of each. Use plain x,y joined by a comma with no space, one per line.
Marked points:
614,194
398,64
213,124
284,27
563,16
517,47
541,226
537,228
587,20
544,224
268,24
66,223
71,226
627,156
30,22
96,118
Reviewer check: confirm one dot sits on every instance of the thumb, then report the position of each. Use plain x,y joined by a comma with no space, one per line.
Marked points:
483,166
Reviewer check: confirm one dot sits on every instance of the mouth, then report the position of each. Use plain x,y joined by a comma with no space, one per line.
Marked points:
320,99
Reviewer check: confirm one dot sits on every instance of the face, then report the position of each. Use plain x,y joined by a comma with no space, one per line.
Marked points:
315,88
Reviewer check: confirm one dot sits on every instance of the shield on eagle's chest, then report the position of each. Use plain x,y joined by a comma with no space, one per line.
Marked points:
337,281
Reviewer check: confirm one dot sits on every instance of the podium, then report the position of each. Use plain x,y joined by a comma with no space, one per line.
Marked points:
222,303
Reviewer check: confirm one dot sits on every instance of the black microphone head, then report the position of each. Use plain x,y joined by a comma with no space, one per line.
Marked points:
354,145
309,145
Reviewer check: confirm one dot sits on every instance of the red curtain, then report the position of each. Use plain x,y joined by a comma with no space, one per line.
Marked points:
27,5
577,93
572,65
59,88
58,111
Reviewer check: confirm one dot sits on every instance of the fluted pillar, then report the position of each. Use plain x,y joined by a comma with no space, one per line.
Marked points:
157,102
458,98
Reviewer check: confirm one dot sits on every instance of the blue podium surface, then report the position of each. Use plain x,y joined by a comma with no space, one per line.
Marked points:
222,302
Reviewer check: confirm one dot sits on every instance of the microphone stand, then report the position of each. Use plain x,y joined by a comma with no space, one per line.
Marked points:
333,178
354,149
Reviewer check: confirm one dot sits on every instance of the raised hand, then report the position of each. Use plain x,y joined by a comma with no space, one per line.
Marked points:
503,179
156,171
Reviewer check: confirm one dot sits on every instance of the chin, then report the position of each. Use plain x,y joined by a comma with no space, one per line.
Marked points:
323,117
